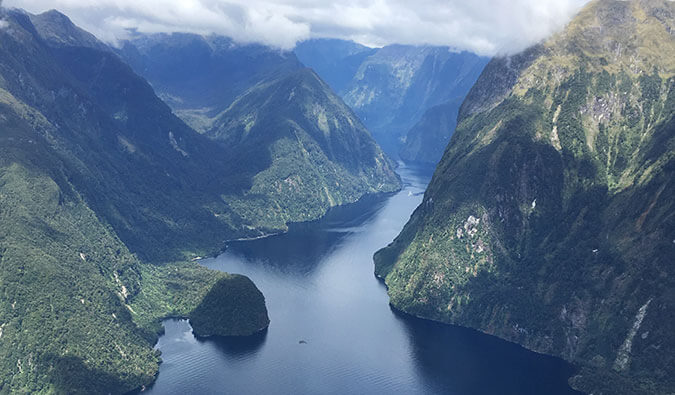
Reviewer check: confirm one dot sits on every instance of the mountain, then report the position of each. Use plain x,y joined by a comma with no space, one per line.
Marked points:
336,61
295,146
395,86
391,88
306,149
427,139
200,76
101,185
550,218
97,180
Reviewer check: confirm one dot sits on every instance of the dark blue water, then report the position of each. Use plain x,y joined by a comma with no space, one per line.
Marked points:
320,289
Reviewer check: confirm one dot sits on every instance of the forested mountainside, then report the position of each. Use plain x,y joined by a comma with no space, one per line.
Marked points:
300,148
307,149
83,141
550,220
101,186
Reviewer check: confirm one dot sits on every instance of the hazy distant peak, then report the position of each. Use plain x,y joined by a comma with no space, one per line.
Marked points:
58,30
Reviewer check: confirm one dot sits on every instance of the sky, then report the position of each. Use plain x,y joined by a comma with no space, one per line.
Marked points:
486,27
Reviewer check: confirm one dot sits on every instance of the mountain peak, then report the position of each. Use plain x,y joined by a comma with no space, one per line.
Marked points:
612,36
58,30
631,33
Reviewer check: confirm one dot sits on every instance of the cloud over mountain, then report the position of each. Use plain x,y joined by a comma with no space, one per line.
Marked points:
486,27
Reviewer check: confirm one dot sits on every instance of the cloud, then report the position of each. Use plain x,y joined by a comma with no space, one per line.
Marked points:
3,22
486,27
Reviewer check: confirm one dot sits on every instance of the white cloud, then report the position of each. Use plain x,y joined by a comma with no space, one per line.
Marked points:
483,26
3,23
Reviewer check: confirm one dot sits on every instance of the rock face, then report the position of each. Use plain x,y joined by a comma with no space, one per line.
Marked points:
549,220
395,86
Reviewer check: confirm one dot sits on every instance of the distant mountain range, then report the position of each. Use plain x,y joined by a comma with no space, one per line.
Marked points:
198,76
392,88
550,220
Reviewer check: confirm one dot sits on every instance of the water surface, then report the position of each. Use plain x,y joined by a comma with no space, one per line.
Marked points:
332,330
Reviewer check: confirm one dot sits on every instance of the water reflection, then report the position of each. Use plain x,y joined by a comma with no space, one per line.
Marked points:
315,239
449,357
237,347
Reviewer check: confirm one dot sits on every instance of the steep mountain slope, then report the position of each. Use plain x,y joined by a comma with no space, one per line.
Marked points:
426,141
304,147
256,93
550,219
100,183
154,179
336,61
393,88
201,76
90,164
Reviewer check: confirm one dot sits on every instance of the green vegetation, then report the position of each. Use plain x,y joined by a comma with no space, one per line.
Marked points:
64,324
182,290
78,312
305,151
562,173
101,185
233,307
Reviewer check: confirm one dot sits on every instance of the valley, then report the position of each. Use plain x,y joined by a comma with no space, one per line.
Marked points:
333,204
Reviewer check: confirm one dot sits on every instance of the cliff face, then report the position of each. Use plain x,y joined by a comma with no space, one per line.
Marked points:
427,140
550,219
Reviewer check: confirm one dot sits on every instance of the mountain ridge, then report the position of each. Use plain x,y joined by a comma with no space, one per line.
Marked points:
313,129
548,221
104,196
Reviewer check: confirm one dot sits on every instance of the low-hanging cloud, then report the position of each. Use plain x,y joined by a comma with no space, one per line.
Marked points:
3,22
486,27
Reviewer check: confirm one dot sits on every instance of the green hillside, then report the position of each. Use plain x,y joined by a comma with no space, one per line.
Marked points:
79,312
304,148
550,219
